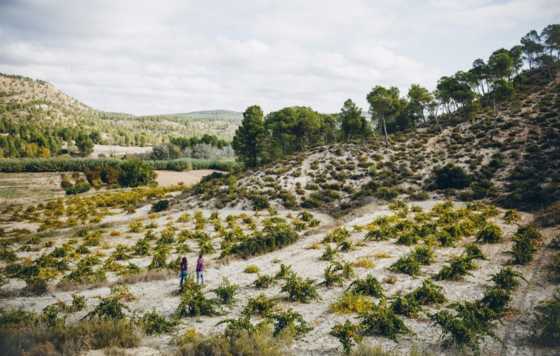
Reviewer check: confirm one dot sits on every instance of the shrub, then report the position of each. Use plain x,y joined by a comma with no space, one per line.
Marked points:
407,239
451,176
529,232
259,305
490,233
141,248
496,299
423,254
547,322
382,321
336,273
194,303
289,322
367,286
259,201
329,254
466,326
351,303
109,308
154,323
363,262
299,289
236,326
428,293
257,341
78,303
524,244
160,205
273,239
35,286
263,281
78,188
284,272
337,235
522,251
122,292
38,338
159,259
348,334
457,267
406,264
445,239
251,269
226,291
472,251
405,305
511,216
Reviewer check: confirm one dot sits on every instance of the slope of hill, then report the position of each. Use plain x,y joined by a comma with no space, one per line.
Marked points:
210,115
511,156
37,103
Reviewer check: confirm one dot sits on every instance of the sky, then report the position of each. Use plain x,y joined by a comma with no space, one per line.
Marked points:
171,56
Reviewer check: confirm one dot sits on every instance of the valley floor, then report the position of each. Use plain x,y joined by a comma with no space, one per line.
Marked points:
304,257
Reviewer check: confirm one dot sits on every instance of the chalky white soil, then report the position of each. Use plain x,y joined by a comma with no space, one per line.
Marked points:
161,295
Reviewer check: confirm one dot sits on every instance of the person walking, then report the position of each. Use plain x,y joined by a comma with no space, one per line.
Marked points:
200,269
183,272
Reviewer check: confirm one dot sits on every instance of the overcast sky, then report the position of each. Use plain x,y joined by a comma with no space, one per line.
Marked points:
147,57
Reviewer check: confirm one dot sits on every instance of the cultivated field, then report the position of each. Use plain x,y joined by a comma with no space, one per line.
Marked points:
188,178
403,250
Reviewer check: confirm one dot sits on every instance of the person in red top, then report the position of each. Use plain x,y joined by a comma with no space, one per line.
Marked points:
200,269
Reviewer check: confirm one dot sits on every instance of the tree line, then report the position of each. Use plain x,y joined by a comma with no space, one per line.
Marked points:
262,139
30,140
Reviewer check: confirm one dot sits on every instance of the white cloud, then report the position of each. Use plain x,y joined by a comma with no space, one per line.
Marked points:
173,56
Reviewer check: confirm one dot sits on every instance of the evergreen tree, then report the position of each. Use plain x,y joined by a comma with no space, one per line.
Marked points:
352,123
250,138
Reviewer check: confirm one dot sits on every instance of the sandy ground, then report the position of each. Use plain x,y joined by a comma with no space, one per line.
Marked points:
160,295
167,178
117,151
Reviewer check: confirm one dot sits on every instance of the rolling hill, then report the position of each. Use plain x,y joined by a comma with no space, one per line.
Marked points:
36,103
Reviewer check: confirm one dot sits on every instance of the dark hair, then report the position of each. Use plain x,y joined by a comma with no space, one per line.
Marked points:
183,261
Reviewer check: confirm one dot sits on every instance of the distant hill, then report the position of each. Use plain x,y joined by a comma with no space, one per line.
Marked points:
26,101
211,115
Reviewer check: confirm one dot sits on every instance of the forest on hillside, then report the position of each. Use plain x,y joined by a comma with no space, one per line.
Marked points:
461,96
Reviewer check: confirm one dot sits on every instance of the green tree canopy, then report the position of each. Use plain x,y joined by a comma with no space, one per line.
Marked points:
385,105
84,144
419,99
296,128
352,123
249,142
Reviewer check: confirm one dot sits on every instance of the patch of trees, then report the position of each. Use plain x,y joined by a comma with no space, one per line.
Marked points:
129,173
205,147
261,139
28,140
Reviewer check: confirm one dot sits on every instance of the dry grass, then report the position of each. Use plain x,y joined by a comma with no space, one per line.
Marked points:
363,262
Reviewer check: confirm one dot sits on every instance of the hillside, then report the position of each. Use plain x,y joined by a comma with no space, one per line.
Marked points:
512,157
25,101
